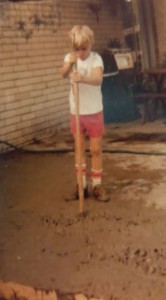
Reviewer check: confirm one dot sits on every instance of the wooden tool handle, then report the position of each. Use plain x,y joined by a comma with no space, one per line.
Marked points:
78,141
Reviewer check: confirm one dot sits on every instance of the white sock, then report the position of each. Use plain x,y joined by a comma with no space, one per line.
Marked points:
83,174
96,176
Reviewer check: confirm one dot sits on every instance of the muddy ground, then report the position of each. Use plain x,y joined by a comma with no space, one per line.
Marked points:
118,251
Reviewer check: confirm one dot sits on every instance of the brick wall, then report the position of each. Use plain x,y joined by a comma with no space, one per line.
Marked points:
160,20
33,96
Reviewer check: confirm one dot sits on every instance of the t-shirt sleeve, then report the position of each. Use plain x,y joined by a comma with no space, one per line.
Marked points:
66,58
98,62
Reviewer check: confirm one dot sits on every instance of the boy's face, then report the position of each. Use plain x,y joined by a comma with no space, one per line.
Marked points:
83,52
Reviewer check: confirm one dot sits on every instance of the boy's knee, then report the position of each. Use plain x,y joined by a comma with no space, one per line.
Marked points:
95,151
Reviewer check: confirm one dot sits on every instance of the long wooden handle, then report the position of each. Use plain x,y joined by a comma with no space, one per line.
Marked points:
78,142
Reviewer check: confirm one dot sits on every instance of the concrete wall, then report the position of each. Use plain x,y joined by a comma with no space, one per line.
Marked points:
160,21
33,96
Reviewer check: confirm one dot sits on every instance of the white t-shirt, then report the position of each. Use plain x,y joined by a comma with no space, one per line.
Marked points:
90,96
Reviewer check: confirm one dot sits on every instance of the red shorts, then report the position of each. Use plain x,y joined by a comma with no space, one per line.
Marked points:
92,124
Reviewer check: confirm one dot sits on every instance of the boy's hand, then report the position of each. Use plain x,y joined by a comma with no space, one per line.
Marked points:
69,65
72,58
75,76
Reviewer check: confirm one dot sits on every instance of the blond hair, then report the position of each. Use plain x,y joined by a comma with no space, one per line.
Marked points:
81,35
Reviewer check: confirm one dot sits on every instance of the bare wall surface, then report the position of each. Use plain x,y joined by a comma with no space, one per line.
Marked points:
33,42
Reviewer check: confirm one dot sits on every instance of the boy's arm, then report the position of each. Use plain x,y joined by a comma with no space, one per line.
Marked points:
68,65
95,78
66,69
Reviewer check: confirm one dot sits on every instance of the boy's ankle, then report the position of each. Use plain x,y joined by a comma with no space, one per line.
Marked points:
74,195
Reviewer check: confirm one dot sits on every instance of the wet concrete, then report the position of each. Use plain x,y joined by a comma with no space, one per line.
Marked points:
118,250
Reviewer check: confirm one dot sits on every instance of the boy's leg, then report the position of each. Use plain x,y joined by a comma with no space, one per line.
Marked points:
83,161
75,194
96,160
97,169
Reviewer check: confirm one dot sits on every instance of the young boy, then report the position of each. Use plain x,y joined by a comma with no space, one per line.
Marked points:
88,74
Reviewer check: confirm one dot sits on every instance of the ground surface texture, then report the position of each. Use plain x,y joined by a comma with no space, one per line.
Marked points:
117,251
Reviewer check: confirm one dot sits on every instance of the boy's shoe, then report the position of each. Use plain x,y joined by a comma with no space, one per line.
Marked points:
100,194
74,196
